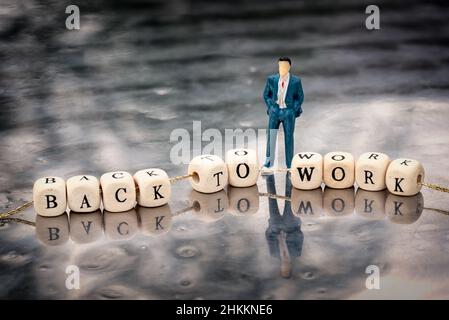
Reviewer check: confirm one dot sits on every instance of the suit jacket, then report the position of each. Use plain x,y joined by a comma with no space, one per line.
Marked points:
293,98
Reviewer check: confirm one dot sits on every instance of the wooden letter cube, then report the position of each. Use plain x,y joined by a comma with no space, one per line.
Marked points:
154,187
404,177
243,167
339,170
83,193
370,170
49,196
209,173
307,170
119,191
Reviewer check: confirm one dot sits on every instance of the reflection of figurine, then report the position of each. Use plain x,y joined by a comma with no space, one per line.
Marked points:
283,97
284,235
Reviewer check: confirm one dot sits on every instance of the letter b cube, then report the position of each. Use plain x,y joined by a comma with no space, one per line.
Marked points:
49,196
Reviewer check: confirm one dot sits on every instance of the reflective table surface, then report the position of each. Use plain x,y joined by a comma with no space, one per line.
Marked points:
108,96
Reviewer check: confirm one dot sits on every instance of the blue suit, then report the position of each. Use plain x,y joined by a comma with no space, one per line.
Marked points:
293,101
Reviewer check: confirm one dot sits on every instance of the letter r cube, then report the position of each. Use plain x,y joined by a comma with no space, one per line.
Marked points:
370,170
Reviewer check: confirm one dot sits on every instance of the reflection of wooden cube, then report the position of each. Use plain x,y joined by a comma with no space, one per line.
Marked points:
370,170
404,210
83,193
404,177
119,191
155,221
243,201
209,173
307,170
120,225
154,187
86,227
307,203
49,196
370,204
52,231
209,207
338,202
243,167
338,170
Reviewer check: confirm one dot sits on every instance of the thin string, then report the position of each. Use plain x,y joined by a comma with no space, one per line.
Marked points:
6,214
435,187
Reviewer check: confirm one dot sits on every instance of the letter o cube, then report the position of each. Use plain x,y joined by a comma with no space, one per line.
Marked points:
83,193
209,173
370,170
119,191
243,167
154,187
49,196
307,170
404,177
338,170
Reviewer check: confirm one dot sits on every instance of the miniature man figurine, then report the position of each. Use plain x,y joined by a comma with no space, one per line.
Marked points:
283,96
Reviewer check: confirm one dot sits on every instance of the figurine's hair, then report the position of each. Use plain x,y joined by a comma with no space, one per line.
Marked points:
285,59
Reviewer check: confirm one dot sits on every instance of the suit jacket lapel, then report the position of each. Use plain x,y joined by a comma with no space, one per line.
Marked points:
289,87
275,85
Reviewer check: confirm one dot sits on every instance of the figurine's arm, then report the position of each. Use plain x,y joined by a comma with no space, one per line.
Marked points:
299,99
268,97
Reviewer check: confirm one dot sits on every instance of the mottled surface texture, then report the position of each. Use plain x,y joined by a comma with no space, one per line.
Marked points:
106,97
